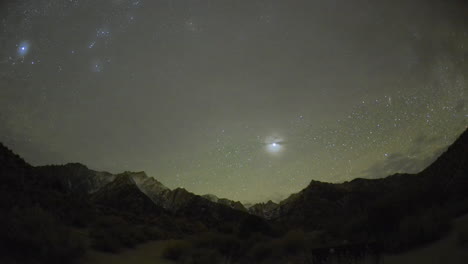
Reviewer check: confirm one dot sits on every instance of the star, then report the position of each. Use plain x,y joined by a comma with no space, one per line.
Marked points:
23,49
274,148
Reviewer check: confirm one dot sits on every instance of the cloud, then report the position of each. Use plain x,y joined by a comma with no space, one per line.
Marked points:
400,163
460,106
423,151
421,143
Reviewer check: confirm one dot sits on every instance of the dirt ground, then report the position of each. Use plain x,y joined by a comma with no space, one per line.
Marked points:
148,253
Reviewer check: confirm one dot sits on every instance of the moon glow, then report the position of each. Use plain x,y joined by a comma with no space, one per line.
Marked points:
274,146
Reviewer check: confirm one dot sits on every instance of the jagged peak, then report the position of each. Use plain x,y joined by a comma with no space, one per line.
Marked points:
71,165
7,153
5,149
211,197
141,174
180,190
76,165
144,181
318,183
123,179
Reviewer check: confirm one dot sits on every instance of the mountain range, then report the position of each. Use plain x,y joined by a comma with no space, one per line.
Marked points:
357,210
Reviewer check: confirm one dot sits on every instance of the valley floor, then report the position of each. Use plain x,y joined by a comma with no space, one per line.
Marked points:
445,251
148,253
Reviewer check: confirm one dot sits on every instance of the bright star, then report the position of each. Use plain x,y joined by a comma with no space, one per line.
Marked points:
23,48
274,148
274,145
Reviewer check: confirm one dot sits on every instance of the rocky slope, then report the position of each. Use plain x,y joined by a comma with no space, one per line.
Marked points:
174,200
268,210
151,187
76,177
129,191
376,204
123,194
232,204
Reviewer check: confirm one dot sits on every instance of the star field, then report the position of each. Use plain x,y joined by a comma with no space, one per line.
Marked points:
248,100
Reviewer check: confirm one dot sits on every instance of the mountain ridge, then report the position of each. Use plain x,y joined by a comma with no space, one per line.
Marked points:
79,178
445,181
392,213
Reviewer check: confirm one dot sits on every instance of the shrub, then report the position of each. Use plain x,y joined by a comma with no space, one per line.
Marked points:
153,233
462,236
34,234
203,256
317,239
227,228
103,240
177,249
111,233
227,245
417,229
261,251
253,224
293,241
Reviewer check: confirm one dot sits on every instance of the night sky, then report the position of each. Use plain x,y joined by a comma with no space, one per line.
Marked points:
248,100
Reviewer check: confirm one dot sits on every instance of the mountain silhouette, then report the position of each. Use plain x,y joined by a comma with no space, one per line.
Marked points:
393,213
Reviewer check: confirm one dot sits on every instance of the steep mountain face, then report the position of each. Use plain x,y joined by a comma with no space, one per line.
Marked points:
15,179
13,169
64,188
23,186
211,197
268,210
150,187
132,191
232,204
201,209
325,205
449,173
173,200
177,198
75,177
123,194
9,160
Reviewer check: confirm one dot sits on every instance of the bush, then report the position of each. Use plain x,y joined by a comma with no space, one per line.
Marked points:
317,238
32,234
177,249
261,251
293,245
111,233
227,245
203,256
227,228
462,236
204,248
293,241
252,224
153,233
417,229
103,240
